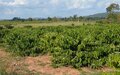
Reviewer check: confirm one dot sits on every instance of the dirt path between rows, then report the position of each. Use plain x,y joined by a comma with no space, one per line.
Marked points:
2,53
40,65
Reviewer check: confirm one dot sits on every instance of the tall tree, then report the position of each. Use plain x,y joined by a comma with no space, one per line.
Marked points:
112,8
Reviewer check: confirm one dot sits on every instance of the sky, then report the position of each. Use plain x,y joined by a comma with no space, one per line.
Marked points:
45,8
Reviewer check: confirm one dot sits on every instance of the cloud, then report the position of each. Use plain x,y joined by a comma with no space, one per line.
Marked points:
8,12
80,4
86,4
106,3
55,2
13,3
68,4
18,2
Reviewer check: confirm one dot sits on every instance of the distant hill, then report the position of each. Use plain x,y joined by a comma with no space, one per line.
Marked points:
99,15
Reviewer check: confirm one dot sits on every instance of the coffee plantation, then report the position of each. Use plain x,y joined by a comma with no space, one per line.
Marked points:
92,46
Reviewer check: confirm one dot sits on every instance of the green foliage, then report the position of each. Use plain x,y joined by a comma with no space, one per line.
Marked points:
112,7
22,43
9,26
113,16
5,73
3,32
28,26
78,46
106,73
114,60
1,27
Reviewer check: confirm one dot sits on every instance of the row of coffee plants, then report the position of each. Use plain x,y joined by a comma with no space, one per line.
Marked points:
78,46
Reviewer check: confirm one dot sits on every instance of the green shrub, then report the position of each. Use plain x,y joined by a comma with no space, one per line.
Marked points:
28,26
114,60
73,24
1,27
9,26
3,32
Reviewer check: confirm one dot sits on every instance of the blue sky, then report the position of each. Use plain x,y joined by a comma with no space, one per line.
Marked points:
45,8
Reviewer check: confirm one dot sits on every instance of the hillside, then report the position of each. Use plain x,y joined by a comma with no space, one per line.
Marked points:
100,15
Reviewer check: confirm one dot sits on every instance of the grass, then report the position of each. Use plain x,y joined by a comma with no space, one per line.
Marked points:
108,73
101,73
38,23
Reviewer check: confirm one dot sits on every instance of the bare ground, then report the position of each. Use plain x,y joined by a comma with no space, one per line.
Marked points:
40,65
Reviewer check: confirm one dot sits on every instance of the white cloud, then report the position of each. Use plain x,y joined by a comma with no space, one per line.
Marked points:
84,4
3,3
55,2
106,3
80,4
18,2
9,12
71,4
13,3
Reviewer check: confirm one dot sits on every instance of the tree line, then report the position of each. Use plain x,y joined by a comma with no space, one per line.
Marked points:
55,19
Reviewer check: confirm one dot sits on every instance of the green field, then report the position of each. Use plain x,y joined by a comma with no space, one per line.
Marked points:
42,23
89,45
